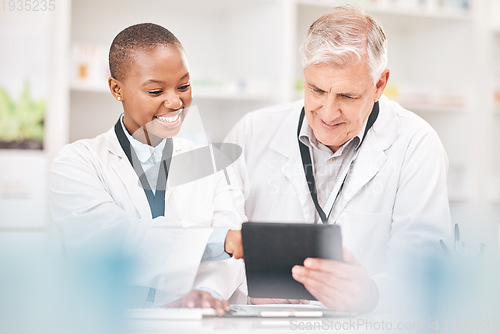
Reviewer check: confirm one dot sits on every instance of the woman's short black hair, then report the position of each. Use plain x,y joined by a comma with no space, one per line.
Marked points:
139,36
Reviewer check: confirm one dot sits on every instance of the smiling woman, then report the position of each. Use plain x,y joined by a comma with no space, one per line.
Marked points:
151,79
119,188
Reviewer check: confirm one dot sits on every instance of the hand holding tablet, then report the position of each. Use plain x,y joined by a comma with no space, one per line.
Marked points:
272,249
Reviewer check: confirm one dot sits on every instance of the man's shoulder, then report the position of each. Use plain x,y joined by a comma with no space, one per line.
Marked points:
408,122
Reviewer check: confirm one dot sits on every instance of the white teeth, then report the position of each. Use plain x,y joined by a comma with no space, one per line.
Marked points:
169,119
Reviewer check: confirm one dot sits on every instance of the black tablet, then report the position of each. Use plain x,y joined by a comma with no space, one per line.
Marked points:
272,249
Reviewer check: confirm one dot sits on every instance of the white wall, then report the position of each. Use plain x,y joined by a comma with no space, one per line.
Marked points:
24,57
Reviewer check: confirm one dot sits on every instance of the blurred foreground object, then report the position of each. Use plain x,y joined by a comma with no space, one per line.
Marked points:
40,293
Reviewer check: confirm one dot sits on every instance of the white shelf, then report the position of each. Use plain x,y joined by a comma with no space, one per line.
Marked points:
495,199
494,10
219,94
95,87
442,14
417,12
234,96
459,198
433,108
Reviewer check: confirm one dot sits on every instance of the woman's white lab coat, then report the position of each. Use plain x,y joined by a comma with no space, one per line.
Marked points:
394,198
96,199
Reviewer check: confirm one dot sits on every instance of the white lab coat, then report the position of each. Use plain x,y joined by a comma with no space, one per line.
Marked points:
96,198
394,199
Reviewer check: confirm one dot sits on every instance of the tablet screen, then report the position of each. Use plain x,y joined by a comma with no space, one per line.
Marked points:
272,249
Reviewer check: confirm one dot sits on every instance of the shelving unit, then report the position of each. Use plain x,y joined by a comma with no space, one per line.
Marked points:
93,87
269,51
243,55
494,70
494,184
214,94
212,36
395,9
425,109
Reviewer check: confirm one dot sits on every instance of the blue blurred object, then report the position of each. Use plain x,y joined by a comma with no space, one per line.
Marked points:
457,290
42,293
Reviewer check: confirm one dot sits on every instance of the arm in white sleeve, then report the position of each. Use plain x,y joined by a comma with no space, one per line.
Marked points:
89,219
215,249
224,276
421,215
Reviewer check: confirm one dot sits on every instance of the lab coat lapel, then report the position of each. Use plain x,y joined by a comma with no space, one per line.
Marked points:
366,166
285,144
370,159
127,175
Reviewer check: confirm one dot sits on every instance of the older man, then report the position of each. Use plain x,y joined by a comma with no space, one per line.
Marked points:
347,155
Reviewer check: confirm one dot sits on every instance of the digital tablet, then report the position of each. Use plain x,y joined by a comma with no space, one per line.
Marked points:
272,249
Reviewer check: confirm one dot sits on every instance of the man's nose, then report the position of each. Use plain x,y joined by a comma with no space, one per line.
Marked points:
331,108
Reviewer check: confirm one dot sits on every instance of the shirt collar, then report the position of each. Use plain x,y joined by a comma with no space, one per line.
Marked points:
306,136
143,151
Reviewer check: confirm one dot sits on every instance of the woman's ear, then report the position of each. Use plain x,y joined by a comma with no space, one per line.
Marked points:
115,88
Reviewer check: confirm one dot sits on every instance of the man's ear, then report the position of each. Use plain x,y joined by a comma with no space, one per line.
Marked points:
381,84
115,88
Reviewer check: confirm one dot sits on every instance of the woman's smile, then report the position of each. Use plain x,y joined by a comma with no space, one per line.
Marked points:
170,120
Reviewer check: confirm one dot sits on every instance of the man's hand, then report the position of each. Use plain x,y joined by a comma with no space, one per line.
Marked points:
340,286
200,299
233,244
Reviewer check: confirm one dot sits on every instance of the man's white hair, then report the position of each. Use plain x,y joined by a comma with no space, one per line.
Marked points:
344,36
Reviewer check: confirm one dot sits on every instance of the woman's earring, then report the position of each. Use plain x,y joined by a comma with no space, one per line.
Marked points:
119,98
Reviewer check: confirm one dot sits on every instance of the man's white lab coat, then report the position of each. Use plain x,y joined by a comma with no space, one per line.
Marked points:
394,199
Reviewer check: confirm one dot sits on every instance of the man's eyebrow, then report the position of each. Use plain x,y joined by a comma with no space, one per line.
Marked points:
162,82
353,93
314,87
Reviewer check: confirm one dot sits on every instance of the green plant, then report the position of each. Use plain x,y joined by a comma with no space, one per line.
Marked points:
23,119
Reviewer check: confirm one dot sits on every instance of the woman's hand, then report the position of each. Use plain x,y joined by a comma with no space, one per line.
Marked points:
200,299
233,244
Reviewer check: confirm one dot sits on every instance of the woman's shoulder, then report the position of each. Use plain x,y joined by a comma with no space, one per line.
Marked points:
85,149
